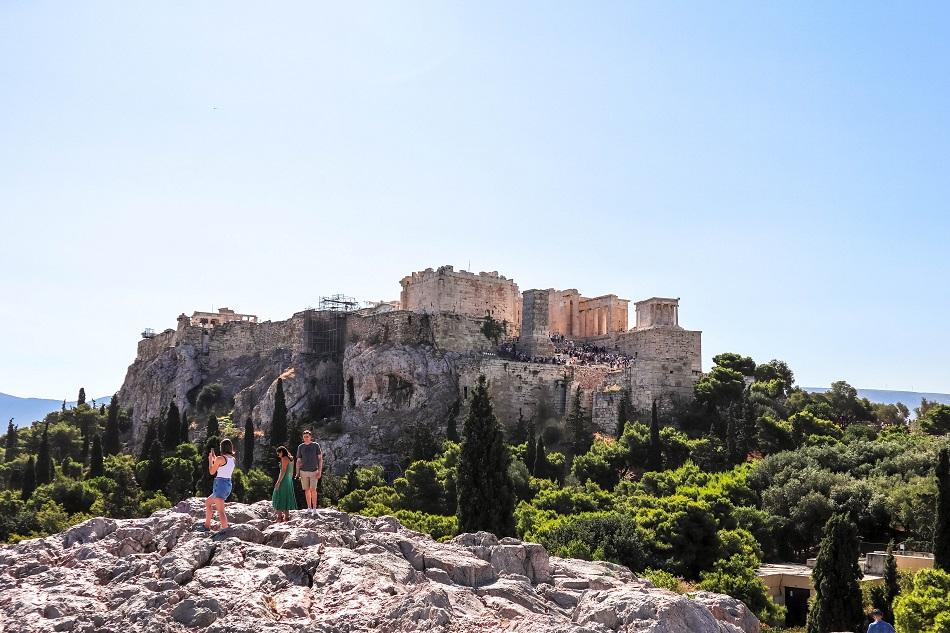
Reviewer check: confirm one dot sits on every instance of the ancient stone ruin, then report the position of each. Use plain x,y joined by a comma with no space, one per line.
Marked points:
359,376
326,571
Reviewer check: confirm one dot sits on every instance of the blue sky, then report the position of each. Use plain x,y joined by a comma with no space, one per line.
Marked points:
780,167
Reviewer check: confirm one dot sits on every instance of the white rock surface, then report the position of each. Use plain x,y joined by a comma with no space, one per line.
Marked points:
325,571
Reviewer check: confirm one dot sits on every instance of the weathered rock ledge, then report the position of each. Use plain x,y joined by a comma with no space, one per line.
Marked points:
325,571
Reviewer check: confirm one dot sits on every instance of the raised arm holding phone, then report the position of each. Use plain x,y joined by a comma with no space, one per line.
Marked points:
221,466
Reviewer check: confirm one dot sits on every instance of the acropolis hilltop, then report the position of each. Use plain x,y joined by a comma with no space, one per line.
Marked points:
367,370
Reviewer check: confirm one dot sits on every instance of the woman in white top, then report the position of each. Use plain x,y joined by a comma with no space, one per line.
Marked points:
221,466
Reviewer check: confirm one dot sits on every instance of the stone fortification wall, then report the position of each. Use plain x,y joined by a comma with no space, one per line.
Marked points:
151,347
444,331
535,339
462,292
536,390
665,364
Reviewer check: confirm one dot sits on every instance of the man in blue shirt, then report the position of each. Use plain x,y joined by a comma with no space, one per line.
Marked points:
879,625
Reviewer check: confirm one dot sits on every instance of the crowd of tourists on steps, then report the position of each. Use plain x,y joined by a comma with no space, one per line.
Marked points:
568,352
306,464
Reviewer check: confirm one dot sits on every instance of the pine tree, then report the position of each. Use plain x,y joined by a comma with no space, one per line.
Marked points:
11,447
891,586
486,498
44,461
155,472
29,479
212,430
151,434
625,412
110,439
248,462
542,467
655,451
278,424
531,450
95,458
942,523
81,399
170,438
579,432
838,604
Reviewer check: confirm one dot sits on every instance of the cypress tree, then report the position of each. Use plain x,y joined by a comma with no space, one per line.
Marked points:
81,399
486,498
891,586
624,412
95,458
655,451
29,479
542,467
102,409
351,482
170,438
531,450
11,447
207,478
44,462
520,434
212,430
579,431
838,604
942,523
278,424
151,434
84,455
185,428
155,473
110,439
452,429
248,462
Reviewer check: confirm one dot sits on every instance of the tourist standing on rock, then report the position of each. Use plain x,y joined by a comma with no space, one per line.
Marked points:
309,468
284,499
221,466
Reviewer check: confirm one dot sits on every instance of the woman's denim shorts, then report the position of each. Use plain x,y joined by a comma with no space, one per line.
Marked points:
222,488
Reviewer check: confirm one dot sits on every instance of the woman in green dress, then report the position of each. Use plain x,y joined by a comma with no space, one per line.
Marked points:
284,499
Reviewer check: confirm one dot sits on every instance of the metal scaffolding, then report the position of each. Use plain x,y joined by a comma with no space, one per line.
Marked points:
338,303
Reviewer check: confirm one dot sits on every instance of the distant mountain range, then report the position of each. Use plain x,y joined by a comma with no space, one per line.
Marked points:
910,398
25,410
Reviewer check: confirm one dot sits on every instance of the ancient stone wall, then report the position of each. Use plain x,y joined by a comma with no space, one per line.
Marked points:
535,339
537,390
462,292
445,331
665,364
151,347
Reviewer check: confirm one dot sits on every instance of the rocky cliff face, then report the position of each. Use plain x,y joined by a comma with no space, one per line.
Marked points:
325,571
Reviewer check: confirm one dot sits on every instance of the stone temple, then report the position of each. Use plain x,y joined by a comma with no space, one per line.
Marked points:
360,374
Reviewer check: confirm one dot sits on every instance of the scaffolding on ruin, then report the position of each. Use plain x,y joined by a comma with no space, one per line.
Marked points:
339,303
148,333
324,338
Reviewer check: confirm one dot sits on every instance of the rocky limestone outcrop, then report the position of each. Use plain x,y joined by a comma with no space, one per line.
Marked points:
325,571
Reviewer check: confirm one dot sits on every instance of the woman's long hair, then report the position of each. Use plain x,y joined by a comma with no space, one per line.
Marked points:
227,448
283,452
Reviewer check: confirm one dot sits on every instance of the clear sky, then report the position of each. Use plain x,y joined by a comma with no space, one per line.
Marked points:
781,167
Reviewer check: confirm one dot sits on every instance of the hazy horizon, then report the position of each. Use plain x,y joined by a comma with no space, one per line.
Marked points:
777,167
